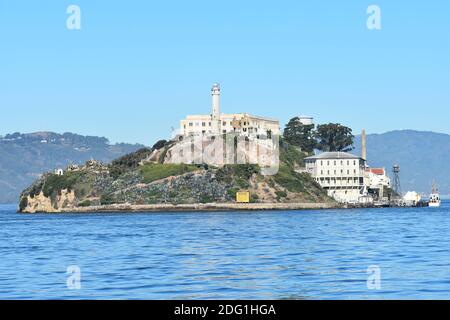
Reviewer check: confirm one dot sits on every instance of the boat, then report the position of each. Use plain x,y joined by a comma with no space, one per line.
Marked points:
435,199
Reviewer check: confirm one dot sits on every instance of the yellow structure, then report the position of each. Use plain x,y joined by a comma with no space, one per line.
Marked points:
243,196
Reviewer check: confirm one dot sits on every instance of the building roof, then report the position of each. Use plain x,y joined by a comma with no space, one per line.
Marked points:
333,155
377,171
231,115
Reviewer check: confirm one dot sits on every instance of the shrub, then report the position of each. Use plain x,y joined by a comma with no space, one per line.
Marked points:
156,171
254,198
204,198
127,162
239,172
85,203
289,179
23,203
281,194
106,199
232,193
291,155
55,183
159,145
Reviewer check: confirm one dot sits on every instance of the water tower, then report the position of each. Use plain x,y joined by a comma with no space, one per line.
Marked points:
396,175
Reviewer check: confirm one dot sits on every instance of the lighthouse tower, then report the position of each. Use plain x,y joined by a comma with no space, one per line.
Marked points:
215,91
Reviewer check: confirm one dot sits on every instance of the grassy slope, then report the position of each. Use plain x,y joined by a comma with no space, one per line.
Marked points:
151,172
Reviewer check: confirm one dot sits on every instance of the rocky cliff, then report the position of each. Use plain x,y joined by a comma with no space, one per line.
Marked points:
145,177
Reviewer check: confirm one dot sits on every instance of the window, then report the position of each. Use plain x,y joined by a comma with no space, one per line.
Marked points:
190,124
210,124
203,124
224,123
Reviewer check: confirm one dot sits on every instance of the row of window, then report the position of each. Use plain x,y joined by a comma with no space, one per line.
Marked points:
224,123
335,162
339,179
335,171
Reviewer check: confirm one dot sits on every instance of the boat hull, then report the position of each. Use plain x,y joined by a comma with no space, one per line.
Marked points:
434,204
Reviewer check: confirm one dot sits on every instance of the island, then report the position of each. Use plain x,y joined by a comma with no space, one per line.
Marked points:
148,180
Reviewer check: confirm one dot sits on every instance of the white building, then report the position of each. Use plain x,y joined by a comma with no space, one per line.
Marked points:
377,182
219,123
340,173
306,120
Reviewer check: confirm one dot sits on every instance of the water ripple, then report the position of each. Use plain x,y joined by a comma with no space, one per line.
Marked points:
258,255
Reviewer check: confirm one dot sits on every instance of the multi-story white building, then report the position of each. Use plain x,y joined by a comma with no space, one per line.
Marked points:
219,123
340,173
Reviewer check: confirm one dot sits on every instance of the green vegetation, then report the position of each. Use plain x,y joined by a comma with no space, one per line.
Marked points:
237,174
128,162
280,194
206,198
232,192
55,183
291,155
334,137
326,137
289,179
92,184
253,198
36,189
159,145
23,203
156,171
106,199
300,135
85,203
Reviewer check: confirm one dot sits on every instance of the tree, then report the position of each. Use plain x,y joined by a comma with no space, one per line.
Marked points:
334,137
159,145
300,135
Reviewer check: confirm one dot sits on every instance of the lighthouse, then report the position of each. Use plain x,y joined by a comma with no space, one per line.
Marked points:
215,91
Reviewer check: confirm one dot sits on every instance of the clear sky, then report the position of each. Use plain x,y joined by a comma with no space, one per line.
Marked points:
136,67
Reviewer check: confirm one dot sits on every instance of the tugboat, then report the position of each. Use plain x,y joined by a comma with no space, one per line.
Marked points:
435,199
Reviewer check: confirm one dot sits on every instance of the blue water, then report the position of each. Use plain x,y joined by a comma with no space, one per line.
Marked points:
259,255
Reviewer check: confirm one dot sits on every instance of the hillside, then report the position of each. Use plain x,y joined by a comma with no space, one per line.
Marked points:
421,156
23,157
145,178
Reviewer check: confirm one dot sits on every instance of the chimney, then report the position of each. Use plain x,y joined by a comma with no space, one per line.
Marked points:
363,145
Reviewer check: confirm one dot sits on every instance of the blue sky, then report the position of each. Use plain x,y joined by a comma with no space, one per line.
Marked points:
136,67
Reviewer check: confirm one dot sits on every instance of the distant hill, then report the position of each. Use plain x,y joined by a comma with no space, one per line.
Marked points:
23,157
422,157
